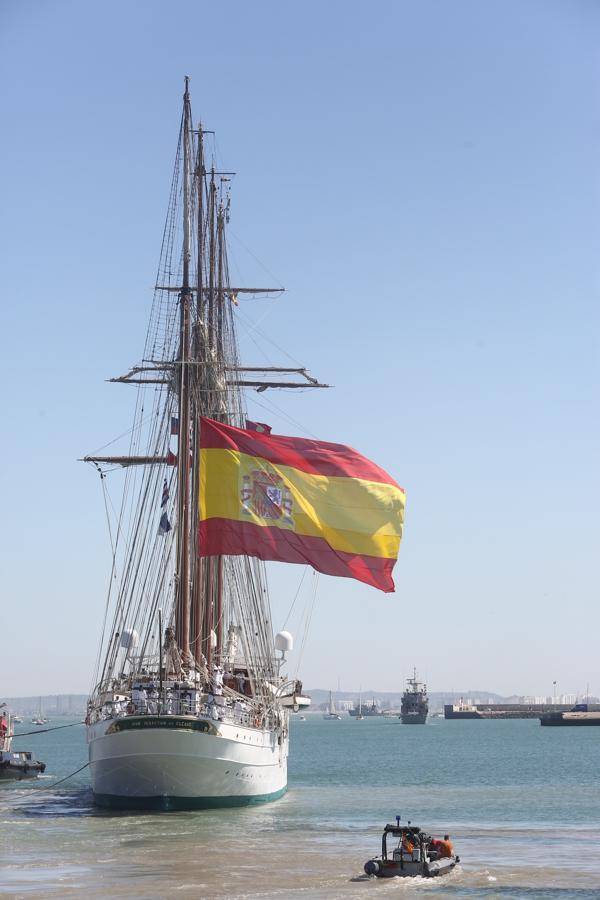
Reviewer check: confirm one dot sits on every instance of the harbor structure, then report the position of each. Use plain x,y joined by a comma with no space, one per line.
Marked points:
502,710
580,714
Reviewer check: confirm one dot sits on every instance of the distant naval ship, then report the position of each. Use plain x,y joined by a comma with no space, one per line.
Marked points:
415,703
361,710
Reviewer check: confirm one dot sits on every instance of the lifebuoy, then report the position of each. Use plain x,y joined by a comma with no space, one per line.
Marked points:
257,722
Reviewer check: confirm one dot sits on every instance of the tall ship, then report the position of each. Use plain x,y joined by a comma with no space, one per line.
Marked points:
191,702
415,703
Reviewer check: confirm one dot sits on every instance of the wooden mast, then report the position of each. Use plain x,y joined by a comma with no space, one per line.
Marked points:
183,479
220,303
211,266
198,564
207,624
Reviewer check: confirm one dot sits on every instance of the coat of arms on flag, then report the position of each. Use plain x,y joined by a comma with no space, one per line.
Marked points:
264,495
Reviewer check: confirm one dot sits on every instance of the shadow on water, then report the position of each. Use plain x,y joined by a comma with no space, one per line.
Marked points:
74,803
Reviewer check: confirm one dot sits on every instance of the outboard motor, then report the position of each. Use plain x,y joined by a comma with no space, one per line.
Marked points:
371,867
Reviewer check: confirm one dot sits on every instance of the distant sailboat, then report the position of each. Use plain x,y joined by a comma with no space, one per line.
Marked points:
359,715
331,715
39,719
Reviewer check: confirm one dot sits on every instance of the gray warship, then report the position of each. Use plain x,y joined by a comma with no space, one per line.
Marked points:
415,703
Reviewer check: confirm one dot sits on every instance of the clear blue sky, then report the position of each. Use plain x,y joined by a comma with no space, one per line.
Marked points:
423,179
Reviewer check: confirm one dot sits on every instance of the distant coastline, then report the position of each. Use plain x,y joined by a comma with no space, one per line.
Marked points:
390,700
74,705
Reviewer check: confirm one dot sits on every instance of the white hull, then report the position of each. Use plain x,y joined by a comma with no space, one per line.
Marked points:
165,762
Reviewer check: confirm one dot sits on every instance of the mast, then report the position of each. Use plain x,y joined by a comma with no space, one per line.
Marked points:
198,565
211,267
183,479
210,409
217,581
220,265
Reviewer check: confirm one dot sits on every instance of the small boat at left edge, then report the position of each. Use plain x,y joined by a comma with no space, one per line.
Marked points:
15,764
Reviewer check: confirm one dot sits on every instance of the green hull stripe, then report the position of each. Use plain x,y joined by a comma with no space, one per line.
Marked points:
113,801
179,723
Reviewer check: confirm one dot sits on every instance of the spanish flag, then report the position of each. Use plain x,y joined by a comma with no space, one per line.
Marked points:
300,501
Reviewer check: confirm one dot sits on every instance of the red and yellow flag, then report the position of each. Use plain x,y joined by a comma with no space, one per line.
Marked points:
300,501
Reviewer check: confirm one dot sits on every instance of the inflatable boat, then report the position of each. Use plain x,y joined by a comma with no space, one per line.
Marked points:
411,852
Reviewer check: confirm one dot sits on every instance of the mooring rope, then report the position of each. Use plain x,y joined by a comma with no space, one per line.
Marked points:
47,787
45,730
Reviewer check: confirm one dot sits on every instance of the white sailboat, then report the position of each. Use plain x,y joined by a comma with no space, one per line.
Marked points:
331,714
40,719
191,705
359,714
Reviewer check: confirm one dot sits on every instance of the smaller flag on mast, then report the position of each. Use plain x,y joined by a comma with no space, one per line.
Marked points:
164,525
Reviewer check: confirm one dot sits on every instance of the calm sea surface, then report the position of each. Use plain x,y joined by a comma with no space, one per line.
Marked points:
521,802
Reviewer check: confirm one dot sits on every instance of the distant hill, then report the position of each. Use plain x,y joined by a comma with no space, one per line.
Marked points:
391,699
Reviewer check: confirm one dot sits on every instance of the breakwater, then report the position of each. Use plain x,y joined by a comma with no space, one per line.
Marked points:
504,710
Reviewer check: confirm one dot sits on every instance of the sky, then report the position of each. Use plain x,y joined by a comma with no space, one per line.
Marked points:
423,179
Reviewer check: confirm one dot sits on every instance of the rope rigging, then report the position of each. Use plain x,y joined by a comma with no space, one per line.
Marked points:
144,570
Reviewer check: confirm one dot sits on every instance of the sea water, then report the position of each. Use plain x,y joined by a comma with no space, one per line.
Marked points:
521,803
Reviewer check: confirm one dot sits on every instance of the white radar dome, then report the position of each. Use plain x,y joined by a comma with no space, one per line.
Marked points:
284,641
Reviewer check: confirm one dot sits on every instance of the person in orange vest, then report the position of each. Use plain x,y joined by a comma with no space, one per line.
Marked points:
407,843
445,848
